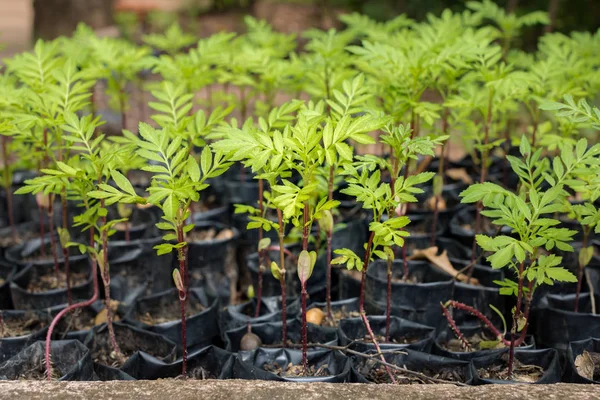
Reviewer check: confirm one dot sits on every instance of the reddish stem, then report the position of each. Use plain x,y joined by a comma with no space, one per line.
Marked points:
452,324
329,234
516,316
586,232
7,186
42,231
259,289
105,274
70,308
127,232
282,278
65,250
182,300
304,329
481,317
50,214
361,304
1,325
388,305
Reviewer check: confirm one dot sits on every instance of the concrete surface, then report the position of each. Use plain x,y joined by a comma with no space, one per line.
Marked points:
262,390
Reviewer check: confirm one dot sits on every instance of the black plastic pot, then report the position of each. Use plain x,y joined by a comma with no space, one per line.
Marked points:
342,307
6,273
251,365
479,296
207,363
131,340
270,334
558,325
211,262
403,334
104,373
202,327
469,330
140,224
240,315
315,286
26,300
420,232
576,349
26,231
37,322
546,358
417,302
348,283
70,359
131,272
413,360
25,254
466,216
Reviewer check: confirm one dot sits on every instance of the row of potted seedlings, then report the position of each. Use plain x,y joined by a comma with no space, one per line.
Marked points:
389,268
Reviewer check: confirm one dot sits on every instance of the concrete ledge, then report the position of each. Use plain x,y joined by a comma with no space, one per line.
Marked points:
169,389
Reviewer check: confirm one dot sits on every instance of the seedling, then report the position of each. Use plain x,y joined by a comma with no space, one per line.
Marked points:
523,213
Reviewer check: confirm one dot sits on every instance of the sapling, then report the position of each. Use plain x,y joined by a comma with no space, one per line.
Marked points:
341,126
58,88
177,181
584,180
83,180
524,214
261,148
365,183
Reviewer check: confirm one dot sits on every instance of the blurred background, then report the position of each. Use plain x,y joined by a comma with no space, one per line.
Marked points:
22,21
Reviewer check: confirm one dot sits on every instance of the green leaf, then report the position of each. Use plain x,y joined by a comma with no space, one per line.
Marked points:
193,169
123,183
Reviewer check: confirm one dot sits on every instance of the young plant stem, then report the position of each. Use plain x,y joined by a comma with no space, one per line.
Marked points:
65,250
127,232
388,304
516,316
261,253
303,294
70,308
441,174
282,279
304,330
50,213
361,304
182,298
452,324
481,317
586,233
329,234
482,178
42,231
1,325
7,187
105,274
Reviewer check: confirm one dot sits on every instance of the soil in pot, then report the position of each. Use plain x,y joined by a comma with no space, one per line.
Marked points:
48,281
209,234
21,326
367,369
297,371
341,309
23,236
130,341
476,341
526,373
170,311
378,374
285,364
70,361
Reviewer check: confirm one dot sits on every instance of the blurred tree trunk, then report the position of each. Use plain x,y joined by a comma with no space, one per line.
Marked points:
553,7
53,18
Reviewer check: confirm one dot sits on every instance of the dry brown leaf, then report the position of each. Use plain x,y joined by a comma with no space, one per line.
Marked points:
101,316
459,174
442,262
585,365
